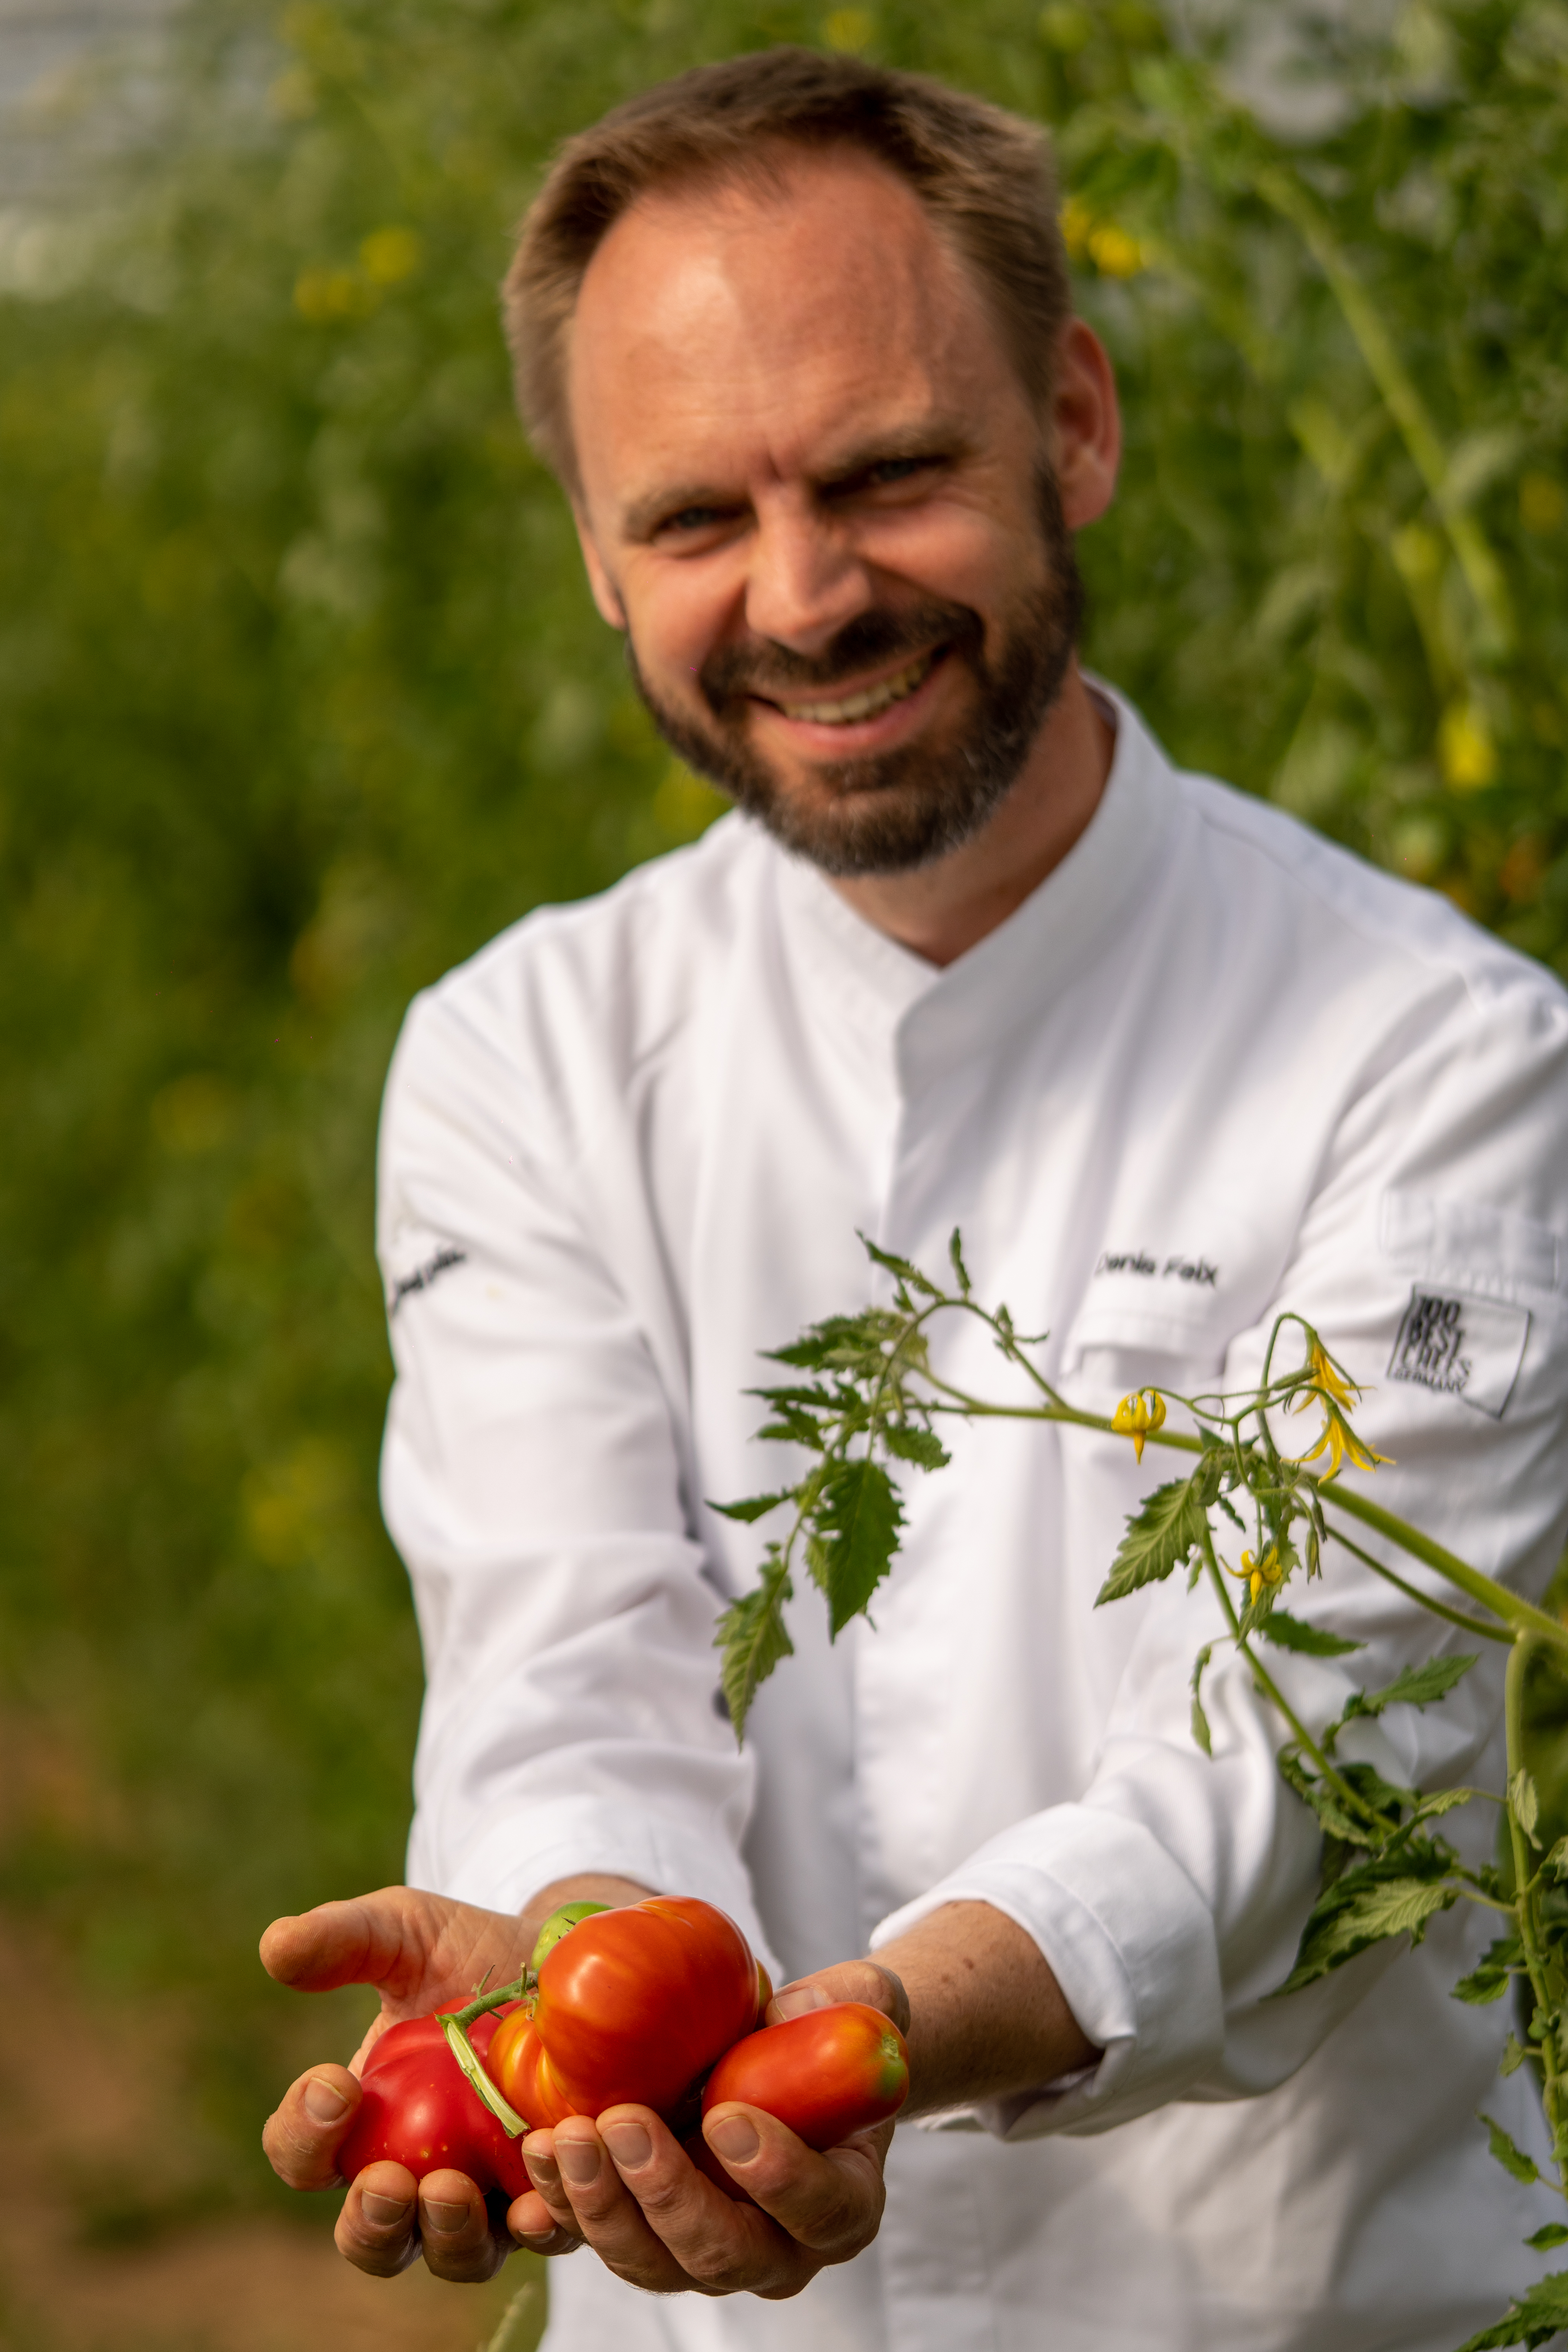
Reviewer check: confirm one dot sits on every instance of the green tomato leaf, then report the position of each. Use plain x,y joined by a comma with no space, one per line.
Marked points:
1523,1798
1551,2233
1492,1975
1513,2056
912,1442
1158,1538
1534,2318
1288,1633
1417,1686
855,1535
955,1259
755,1506
902,1267
752,1637
1368,1904
1200,1720
1511,2158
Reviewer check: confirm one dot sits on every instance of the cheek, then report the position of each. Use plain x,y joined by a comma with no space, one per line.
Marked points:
960,554
677,616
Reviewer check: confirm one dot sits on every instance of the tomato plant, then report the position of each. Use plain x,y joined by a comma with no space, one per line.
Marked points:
418,2111
826,2075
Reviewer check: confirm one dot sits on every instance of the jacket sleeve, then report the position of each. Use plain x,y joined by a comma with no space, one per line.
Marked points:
1432,1258
531,1480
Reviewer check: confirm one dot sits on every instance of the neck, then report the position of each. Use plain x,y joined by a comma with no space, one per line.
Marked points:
940,912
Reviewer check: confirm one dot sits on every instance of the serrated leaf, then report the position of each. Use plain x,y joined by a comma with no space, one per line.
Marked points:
1551,2233
1533,2318
912,1442
855,1535
1557,1863
752,1638
755,1506
1288,1633
1511,2158
902,1267
1370,1904
1523,1798
1416,1686
1492,1975
1387,1801
1157,1539
791,1426
1513,2056
955,1259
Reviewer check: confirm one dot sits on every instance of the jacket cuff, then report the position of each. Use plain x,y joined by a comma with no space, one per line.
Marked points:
1131,1944
521,1851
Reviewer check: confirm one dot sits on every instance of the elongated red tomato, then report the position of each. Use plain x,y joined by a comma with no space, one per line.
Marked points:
826,2075
419,2110
637,2003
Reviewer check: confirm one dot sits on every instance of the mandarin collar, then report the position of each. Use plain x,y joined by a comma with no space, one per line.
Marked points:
894,1014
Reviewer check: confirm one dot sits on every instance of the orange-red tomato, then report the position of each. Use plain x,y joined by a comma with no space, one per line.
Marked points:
634,2004
833,2072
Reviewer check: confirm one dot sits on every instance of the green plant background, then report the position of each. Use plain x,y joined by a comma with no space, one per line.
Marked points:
302,697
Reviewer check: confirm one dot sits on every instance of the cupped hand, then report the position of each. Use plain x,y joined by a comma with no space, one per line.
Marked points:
627,2188
421,1952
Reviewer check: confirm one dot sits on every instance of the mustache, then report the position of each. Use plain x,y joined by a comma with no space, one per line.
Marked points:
732,672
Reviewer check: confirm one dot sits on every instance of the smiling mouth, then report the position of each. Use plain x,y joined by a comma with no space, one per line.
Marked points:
869,703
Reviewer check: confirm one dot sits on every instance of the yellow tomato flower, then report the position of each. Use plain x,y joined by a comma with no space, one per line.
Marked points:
1259,1572
1327,1377
1340,1443
1137,1414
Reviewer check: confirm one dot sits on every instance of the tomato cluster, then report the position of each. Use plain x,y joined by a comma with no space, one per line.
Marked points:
658,2004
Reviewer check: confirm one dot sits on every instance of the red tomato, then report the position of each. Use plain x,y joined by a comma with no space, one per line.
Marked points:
637,2003
830,2072
419,2110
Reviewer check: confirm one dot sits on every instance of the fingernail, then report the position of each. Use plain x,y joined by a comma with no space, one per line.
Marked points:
446,2217
383,2211
799,2000
578,2159
325,2103
628,2143
733,2138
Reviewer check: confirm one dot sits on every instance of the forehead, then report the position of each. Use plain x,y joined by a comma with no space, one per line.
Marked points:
755,322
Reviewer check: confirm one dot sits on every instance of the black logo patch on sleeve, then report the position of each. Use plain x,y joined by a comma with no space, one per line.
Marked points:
1461,1346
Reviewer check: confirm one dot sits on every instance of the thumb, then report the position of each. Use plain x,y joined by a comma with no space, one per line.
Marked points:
369,1940
863,1980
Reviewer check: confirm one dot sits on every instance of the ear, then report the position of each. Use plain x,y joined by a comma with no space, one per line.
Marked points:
607,595
1085,425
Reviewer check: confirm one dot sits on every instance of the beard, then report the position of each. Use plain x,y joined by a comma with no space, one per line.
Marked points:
890,811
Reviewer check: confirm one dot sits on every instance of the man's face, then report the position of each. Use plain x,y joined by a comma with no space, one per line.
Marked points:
814,494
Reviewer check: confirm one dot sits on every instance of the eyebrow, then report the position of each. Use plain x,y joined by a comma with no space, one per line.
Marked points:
933,438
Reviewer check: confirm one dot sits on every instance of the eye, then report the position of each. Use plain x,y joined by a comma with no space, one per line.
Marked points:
896,469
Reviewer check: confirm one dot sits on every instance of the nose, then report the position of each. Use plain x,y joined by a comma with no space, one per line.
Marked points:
804,581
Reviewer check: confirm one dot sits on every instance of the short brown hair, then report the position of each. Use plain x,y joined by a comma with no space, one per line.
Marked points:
985,177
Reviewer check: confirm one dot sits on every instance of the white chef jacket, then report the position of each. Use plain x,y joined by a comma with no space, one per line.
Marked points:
1212,1068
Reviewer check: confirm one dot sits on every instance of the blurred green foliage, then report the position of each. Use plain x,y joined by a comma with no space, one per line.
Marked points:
302,697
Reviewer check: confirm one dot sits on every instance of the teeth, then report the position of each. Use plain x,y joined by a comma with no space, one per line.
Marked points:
863,706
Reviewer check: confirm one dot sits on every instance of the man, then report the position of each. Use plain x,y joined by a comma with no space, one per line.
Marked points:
794,335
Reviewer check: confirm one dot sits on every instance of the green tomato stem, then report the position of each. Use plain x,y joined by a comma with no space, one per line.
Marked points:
467,2058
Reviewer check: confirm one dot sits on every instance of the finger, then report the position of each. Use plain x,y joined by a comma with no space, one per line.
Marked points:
454,2230
532,2224
301,2139
717,2244
864,1980
377,2230
831,2204
377,1939
606,2212
539,2156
